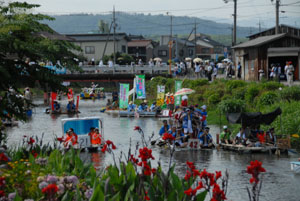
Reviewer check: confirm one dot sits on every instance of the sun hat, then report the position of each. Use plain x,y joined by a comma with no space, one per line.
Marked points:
203,107
224,127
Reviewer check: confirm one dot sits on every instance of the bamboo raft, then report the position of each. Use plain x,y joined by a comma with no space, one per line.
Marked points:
244,149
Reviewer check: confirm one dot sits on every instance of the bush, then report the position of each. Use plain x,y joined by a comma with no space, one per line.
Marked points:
239,93
268,98
290,93
251,93
214,99
272,85
194,83
233,84
232,106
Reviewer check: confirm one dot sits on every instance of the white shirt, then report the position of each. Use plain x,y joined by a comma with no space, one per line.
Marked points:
215,71
101,63
197,68
110,64
209,68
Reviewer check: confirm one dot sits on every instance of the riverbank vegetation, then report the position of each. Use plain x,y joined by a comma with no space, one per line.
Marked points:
228,96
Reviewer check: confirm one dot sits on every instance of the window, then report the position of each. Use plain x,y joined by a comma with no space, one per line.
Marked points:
89,49
205,50
162,53
123,48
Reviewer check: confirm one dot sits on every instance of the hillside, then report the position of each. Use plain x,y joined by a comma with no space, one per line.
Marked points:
143,24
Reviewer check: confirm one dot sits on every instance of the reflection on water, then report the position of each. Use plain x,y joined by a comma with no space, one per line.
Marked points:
279,182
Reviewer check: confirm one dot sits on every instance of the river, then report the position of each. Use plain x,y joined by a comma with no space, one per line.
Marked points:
279,183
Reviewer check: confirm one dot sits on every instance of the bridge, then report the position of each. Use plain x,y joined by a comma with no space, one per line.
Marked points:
114,74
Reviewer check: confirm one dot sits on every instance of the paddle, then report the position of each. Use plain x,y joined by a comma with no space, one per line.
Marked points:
153,142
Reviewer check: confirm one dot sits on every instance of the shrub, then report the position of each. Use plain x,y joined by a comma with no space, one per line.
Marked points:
233,84
239,93
272,85
194,83
290,93
232,106
214,99
268,98
251,93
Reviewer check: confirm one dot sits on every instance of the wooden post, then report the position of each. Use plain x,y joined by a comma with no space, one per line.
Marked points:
218,138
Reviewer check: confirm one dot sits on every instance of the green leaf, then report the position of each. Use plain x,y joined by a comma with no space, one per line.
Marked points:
201,196
78,196
67,197
116,197
98,195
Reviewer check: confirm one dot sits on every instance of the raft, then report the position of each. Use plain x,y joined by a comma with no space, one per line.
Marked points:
140,114
49,111
244,149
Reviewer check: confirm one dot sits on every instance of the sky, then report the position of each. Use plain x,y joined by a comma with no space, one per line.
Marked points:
250,12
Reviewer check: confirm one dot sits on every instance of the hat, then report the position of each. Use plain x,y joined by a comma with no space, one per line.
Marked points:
145,101
168,94
203,107
206,128
224,127
130,102
96,128
70,130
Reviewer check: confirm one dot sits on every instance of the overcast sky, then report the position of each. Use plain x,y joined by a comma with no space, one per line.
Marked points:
248,10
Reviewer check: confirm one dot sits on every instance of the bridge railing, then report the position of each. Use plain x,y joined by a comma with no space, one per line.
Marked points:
117,69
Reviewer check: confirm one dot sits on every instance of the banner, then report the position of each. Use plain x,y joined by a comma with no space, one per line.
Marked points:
160,95
124,90
178,84
140,87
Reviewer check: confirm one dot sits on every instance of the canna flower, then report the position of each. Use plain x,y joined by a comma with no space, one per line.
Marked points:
137,128
168,136
31,141
51,189
146,196
255,169
3,157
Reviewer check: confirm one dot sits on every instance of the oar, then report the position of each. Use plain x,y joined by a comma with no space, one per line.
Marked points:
154,141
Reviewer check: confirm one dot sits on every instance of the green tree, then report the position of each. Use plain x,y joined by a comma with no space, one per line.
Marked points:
22,38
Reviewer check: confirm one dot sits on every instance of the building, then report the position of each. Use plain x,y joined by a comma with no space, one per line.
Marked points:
140,49
292,31
206,48
95,46
262,51
182,47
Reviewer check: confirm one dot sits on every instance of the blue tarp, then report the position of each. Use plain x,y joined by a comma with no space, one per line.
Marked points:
81,127
61,70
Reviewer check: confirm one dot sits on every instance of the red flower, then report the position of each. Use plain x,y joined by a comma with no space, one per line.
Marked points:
134,160
153,170
145,154
137,128
113,146
108,142
146,196
51,189
3,157
2,193
147,172
34,153
255,169
200,185
196,173
31,141
218,174
204,174
191,165
188,175
168,136
2,181
218,194
190,192
104,148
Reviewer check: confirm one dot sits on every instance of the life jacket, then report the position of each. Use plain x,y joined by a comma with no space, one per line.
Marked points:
172,100
168,100
71,139
95,138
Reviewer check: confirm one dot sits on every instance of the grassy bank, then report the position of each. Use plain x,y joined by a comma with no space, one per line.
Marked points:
227,96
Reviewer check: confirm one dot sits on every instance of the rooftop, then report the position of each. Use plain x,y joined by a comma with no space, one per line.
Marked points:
139,43
259,41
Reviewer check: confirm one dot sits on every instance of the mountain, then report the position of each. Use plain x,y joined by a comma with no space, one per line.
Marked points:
141,24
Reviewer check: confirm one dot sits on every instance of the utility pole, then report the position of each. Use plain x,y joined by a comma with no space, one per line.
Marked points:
195,40
170,45
234,20
234,24
259,26
277,17
114,22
